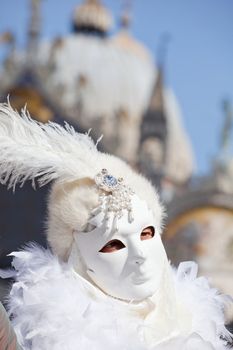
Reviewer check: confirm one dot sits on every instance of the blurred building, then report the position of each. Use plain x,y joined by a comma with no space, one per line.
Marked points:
110,83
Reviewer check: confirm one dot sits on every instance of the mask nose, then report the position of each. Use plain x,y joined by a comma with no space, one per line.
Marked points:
139,258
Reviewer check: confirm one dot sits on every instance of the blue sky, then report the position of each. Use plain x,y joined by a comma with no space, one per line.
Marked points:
199,64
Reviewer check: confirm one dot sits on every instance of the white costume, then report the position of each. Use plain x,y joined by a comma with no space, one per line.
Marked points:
108,283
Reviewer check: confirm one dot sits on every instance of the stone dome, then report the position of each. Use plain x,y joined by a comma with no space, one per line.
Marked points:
102,76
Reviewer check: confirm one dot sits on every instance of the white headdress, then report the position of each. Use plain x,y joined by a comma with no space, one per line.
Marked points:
46,152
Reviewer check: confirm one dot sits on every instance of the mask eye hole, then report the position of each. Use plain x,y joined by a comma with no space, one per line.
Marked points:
112,246
147,233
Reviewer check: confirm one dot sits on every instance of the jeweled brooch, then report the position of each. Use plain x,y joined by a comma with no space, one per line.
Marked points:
115,196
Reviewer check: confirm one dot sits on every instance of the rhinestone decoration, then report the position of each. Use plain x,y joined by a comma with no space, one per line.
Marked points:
107,182
115,196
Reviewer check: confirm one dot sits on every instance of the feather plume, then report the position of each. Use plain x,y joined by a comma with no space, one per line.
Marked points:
55,309
31,150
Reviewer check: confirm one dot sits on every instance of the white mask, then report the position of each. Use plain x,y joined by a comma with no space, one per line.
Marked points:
131,266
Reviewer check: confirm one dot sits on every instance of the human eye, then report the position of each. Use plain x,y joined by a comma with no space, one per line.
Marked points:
112,246
147,233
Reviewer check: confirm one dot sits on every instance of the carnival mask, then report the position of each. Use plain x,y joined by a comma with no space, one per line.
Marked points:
126,262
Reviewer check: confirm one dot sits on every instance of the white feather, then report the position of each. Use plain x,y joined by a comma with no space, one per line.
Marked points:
54,308
31,150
